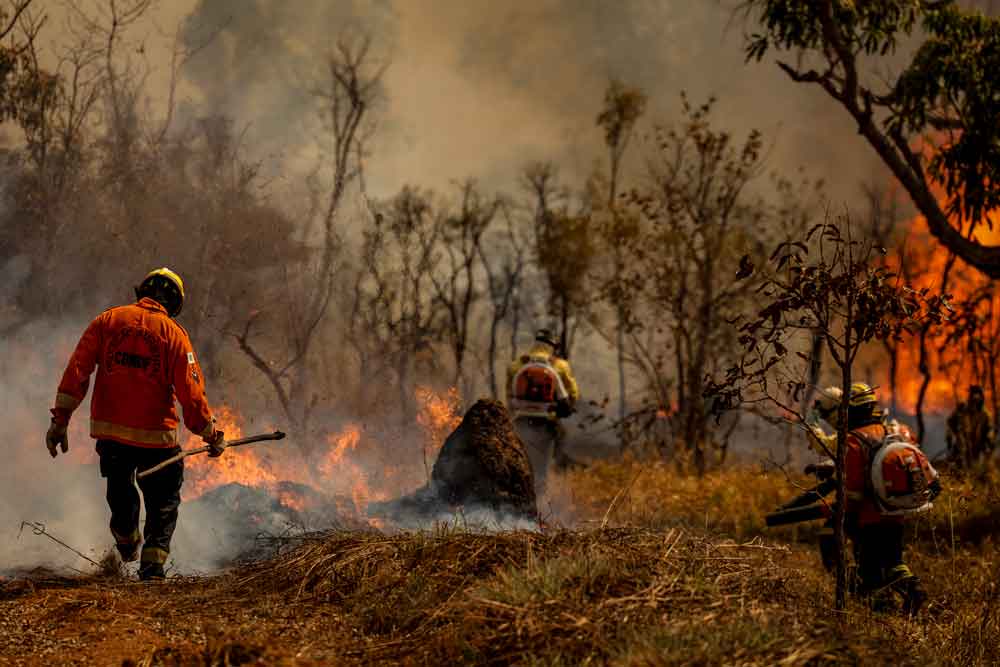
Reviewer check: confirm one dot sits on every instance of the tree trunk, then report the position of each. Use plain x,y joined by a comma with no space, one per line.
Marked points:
564,327
622,401
840,509
403,381
494,331
925,371
893,352
515,326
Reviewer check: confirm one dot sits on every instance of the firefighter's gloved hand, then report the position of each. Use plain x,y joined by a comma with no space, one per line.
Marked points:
216,444
56,439
564,408
822,470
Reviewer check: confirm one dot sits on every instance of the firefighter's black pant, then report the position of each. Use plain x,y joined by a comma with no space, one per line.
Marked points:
879,554
161,492
828,542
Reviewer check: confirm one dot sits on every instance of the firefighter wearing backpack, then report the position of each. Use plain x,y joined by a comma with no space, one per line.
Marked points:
887,477
541,391
144,360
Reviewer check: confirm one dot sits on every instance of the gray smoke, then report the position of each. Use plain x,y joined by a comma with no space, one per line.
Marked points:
479,88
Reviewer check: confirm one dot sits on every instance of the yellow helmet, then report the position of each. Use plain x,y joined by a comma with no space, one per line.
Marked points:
165,287
828,401
862,394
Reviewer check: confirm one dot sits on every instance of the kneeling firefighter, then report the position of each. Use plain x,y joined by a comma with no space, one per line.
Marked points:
144,360
541,391
887,477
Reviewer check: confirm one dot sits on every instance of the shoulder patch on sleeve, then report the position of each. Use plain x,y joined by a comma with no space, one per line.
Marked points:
190,356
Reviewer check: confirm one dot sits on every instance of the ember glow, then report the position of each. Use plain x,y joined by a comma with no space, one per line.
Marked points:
350,467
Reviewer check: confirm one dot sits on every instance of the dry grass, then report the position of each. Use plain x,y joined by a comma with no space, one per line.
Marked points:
730,503
733,502
614,596
683,574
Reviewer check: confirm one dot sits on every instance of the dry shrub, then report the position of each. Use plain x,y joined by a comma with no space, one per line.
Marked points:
967,512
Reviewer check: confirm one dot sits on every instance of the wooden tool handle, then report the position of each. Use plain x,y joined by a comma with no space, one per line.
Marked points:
277,435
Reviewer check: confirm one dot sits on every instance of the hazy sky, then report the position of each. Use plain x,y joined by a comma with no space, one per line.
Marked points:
478,88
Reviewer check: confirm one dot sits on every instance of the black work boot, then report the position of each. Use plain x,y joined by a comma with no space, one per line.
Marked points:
914,596
151,572
129,552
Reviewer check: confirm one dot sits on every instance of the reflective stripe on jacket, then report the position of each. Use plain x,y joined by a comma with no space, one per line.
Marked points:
144,361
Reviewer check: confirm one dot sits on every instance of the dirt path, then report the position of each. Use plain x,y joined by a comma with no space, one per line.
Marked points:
63,621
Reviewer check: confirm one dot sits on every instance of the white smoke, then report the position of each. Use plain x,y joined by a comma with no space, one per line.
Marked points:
65,494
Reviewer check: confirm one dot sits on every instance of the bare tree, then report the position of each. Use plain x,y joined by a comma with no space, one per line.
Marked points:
394,316
456,285
503,286
698,219
883,219
565,250
352,86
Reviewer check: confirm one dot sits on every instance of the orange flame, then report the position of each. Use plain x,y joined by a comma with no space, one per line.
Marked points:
922,260
350,464
239,465
338,465
439,415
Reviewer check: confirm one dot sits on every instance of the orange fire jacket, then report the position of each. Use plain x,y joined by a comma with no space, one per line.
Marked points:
144,360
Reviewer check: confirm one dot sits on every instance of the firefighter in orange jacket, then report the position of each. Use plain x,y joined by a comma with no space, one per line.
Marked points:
878,537
144,361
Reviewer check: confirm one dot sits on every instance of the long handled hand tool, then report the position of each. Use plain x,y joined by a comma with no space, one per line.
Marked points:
277,435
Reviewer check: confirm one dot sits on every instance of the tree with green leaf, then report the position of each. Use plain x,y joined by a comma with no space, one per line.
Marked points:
934,124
